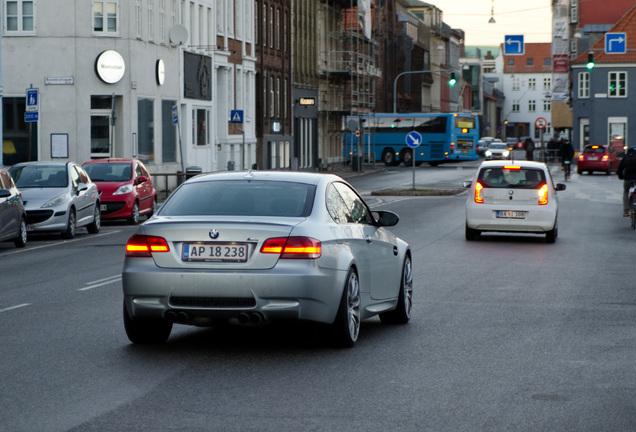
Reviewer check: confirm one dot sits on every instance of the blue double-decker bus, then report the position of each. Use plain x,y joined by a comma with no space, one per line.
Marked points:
393,138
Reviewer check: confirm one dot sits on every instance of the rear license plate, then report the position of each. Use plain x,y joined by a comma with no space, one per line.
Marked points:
592,158
103,207
511,214
226,252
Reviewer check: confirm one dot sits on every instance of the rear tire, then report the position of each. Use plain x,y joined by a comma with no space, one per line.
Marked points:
471,234
146,331
21,240
402,312
551,236
406,157
346,326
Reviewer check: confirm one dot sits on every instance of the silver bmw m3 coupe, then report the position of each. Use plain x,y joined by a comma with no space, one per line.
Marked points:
258,246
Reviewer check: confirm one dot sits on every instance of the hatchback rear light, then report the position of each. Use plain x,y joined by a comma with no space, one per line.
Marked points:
293,247
478,198
543,195
143,245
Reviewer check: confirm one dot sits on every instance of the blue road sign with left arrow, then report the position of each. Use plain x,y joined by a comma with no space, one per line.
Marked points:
413,139
615,43
513,45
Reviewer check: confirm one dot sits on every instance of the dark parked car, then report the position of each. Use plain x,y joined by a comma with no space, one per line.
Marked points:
125,188
12,215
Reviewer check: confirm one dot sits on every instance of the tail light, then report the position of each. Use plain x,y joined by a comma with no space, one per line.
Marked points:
581,157
543,195
293,247
478,198
144,246
605,158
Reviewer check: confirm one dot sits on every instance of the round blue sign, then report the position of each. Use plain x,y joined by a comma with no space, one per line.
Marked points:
413,139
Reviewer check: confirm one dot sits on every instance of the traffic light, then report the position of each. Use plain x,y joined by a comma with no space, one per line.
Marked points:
452,81
590,60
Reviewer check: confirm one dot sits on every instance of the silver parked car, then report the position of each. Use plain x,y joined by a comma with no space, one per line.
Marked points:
58,197
248,247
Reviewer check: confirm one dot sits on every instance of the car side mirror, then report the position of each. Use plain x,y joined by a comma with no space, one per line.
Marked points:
81,187
467,184
560,187
386,218
141,179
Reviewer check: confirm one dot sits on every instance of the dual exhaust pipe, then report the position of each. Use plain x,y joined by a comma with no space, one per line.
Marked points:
181,317
177,317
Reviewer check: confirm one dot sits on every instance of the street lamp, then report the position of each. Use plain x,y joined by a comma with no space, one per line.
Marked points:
415,72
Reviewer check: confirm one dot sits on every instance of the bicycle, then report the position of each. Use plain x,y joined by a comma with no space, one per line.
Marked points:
566,169
632,206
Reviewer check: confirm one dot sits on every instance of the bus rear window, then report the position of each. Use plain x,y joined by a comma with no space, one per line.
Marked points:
465,122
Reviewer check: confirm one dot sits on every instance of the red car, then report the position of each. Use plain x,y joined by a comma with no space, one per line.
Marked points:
598,158
125,188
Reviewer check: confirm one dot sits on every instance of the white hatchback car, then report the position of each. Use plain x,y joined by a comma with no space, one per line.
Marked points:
517,197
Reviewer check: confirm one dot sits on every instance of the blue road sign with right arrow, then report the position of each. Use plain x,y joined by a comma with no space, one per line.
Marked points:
615,43
513,45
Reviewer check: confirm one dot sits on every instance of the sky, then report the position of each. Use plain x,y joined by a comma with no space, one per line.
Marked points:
533,19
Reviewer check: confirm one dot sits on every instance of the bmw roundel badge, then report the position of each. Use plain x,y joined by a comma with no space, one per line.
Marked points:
214,234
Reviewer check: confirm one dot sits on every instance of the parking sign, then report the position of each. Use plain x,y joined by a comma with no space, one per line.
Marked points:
32,100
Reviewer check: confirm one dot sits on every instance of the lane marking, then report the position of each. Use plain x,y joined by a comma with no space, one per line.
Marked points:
29,248
100,282
15,307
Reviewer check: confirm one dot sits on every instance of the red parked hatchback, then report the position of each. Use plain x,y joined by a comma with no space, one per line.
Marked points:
125,188
598,158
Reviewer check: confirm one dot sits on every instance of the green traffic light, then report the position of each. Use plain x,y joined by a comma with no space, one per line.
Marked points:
590,60
452,81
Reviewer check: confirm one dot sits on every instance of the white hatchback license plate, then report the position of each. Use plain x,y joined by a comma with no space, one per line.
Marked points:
592,158
228,252
511,214
103,207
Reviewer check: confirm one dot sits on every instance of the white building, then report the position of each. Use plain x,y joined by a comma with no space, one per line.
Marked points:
108,74
526,81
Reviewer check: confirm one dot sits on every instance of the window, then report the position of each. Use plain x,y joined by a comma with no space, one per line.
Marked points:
271,27
138,19
516,83
168,132
547,105
584,85
20,16
532,83
515,106
162,18
264,29
547,83
145,126
256,22
574,12
271,97
546,61
151,20
574,47
617,84
105,17
532,105
529,61
511,62
278,29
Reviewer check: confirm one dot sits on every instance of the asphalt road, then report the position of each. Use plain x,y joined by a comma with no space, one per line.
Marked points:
509,333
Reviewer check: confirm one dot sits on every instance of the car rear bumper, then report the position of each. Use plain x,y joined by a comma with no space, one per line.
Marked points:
210,296
538,220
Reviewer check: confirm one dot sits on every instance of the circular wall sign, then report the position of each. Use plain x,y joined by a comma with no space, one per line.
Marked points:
160,72
110,66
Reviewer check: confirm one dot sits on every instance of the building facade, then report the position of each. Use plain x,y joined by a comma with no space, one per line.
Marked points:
156,80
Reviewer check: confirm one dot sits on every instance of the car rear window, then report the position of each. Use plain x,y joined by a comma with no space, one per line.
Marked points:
109,172
240,198
594,149
516,178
